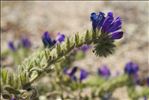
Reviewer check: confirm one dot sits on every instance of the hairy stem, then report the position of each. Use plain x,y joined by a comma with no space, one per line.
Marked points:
41,60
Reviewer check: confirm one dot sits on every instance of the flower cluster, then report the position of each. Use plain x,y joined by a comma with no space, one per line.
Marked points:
107,25
110,30
49,42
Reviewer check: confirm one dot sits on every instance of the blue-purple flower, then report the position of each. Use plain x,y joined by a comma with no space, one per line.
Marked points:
60,37
85,47
83,74
131,68
47,41
12,46
104,71
72,74
25,42
147,81
107,25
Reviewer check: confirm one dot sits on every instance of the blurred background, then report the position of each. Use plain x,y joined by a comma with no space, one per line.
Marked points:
31,19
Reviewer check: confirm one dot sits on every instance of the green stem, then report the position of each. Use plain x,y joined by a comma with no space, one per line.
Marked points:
111,85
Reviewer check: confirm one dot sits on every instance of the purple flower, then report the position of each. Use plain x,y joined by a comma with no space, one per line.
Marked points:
26,42
97,20
145,98
104,71
83,74
73,71
131,68
147,81
107,25
60,38
84,48
71,74
47,41
11,46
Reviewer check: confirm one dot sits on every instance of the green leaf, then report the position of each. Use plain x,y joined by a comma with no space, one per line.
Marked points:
67,43
11,79
58,48
4,74
77,40
24,78
87,37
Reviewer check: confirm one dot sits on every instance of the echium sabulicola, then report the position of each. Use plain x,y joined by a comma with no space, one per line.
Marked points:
131,68
110,29
49,42
25,42
71,74
11,46
104,71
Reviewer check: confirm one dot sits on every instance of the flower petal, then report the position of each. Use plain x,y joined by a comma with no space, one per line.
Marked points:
26,42
104,71
117,35
97,20
83,74
11,46
47,41
73,71
131,68
108,21
115,26
60,37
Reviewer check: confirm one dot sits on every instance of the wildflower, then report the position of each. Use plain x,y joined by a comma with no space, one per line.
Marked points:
47,41
83,74
71,74
110,29
104,71
84,48
107,25
11,46
60,38
131,68
73,71
26,42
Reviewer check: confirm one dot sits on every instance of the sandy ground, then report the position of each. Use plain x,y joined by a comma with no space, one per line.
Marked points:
33,18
